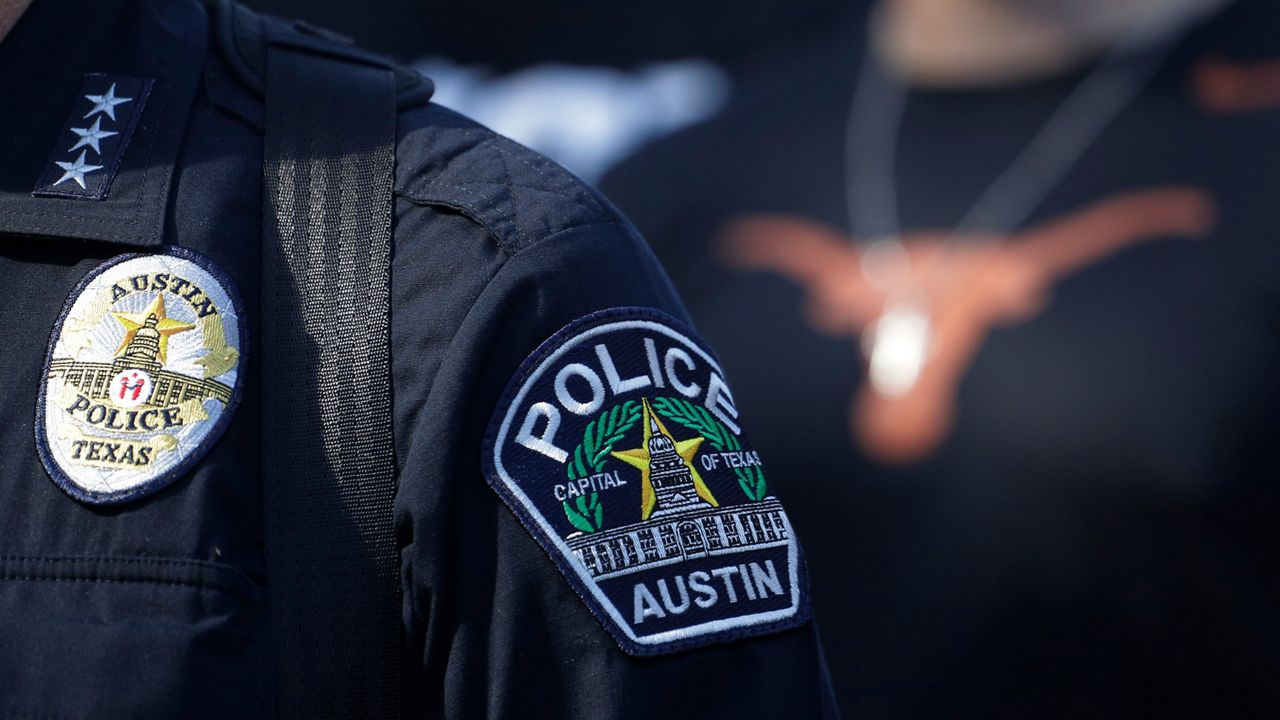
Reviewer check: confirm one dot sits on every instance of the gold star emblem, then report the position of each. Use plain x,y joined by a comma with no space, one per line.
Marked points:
133,322
639,458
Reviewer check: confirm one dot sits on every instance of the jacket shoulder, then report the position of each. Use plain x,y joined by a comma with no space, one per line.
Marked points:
242,36
447,160
443,159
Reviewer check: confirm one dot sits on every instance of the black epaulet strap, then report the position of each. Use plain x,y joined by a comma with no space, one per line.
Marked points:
327,457
243,37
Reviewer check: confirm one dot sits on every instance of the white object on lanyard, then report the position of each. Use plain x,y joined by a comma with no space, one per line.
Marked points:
897,345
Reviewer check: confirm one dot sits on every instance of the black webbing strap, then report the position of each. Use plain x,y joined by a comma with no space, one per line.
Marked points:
328,463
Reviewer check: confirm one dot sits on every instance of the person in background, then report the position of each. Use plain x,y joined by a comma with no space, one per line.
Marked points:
998,279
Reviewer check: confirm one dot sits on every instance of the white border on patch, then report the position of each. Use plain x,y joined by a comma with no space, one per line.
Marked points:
99,486
707,628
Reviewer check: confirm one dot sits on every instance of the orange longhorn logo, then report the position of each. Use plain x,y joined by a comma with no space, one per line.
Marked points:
974,284
1222,87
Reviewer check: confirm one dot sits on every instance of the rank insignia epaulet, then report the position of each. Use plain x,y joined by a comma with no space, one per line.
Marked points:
84,161
619,447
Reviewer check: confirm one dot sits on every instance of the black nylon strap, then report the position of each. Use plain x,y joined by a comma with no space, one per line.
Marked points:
327,456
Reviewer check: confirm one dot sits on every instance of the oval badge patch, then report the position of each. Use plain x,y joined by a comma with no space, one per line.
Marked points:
619,447
142,376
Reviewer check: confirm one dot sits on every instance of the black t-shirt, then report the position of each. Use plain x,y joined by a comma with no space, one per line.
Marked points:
1072,512
130,592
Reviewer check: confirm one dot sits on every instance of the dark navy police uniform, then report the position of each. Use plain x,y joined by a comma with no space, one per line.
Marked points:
632,561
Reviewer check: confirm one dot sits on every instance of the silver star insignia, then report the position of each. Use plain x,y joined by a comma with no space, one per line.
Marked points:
75,170
106,103
91,135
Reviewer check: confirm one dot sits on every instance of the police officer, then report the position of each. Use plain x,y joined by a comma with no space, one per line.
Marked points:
581,526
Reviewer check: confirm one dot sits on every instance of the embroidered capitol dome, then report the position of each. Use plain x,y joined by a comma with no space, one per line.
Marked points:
684,523
660,443
144,349
672,482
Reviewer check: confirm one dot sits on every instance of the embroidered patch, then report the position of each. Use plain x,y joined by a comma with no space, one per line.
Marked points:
619,447
142,376
93,140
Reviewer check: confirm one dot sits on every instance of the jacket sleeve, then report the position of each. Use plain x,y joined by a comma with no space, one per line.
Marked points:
493,624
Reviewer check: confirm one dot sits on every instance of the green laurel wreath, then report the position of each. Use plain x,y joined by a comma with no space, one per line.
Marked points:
586,513
700,420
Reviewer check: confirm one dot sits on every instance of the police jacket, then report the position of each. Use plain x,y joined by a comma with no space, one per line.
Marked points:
582,527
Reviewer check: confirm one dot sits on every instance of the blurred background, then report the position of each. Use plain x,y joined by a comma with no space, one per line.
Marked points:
585,83
995,283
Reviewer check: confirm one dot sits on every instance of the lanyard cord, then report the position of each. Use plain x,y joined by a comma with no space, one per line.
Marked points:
898,343
875,117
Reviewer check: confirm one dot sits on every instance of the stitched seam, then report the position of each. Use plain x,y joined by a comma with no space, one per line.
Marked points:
489,183
216,568
118,581
473,217
70,216
568,185
571,228
514,210
508,249
420,198
16,714
570,189
242,28
131,561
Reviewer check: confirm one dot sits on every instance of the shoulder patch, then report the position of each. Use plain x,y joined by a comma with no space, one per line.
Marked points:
142,375
619,448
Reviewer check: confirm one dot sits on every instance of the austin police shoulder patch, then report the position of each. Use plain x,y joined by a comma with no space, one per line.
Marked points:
619,447
142,376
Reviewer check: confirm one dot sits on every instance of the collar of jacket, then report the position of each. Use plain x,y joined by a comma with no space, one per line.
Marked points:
43,63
